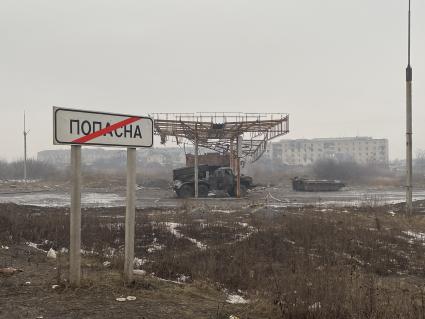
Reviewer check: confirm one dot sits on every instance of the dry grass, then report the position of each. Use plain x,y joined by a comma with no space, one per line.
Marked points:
291,263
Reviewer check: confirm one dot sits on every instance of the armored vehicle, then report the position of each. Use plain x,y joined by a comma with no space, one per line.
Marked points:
315,185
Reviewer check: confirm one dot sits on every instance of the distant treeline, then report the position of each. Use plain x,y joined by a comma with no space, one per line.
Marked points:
347,170
35,170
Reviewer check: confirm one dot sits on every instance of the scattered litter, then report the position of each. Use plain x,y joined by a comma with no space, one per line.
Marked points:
4,247
139,262
51,253
39,317
316,306
391,213
64,250
28,283
121,299
233,317
131,298
155,247
106,263
236,299
140,272
55,286
33,245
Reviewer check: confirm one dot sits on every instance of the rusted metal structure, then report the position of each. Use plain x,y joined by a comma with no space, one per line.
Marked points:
209,159
243,135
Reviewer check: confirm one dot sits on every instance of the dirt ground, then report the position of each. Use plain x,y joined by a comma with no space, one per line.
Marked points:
29,294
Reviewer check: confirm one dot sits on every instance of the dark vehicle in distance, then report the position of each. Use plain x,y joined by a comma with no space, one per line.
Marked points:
210,178
301,184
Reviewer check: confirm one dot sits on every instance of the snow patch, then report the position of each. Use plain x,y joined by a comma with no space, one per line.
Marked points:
172,228
416,236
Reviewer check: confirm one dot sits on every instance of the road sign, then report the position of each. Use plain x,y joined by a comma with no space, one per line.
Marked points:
77,127
98,128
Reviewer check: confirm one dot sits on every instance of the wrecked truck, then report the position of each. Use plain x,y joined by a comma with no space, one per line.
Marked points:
210,178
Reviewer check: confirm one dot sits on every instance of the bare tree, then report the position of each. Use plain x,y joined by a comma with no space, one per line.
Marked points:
420,160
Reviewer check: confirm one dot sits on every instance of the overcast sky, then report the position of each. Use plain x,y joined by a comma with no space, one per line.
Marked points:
336,66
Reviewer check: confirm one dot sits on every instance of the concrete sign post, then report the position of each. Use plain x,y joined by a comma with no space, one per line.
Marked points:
75,218
130,214
238,165
76,128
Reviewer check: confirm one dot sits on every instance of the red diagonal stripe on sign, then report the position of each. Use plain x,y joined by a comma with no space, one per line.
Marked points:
106,130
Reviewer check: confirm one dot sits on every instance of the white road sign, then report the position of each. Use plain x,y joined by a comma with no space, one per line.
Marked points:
97,128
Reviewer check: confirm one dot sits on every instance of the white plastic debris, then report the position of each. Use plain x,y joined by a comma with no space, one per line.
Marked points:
131,298
183,278
236,299
140,272
55,286
5,247
39,317
51,253
106,263
139,262
121,299
28,283
233,317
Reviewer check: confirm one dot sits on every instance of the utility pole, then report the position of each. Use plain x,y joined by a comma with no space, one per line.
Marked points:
25,150
409,206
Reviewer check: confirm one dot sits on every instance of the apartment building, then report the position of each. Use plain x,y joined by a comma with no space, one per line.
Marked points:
363,150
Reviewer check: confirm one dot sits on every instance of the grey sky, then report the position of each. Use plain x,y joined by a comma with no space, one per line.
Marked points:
336,66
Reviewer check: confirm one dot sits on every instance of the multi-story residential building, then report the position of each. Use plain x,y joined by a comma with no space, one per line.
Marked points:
363,150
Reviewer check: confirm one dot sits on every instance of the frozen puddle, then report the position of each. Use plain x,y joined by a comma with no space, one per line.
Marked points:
62,200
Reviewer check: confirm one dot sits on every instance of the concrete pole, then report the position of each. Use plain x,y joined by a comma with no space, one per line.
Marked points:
196,166
25,151
238,169
409,132
409,186
130,215
75,218
25,156
231,156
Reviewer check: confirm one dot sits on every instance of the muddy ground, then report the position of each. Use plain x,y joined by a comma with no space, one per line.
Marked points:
112,193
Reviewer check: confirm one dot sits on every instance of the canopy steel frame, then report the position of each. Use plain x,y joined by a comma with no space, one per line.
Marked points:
216,131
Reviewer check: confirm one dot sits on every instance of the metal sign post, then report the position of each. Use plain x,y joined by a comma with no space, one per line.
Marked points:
76,128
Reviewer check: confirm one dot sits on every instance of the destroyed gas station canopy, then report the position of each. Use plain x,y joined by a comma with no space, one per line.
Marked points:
219,131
